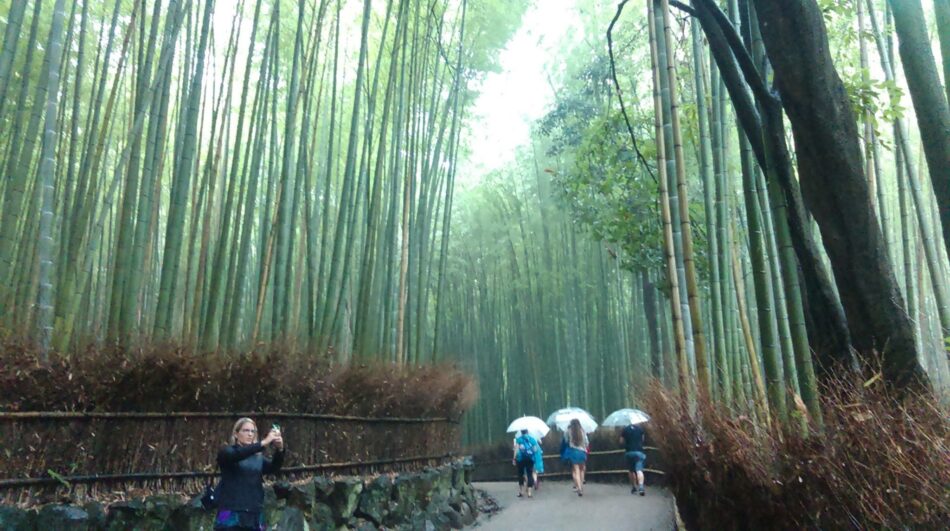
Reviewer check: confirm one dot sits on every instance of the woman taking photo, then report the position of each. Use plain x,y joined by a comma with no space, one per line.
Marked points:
240,494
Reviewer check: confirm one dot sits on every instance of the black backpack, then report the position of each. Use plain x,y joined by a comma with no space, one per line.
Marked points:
209,500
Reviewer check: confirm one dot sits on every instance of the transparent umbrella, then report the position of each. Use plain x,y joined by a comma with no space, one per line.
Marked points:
562,411
535,426
563,417
625,417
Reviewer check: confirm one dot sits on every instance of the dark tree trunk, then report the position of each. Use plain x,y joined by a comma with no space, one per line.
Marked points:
827,326
828,332
930,101
834,185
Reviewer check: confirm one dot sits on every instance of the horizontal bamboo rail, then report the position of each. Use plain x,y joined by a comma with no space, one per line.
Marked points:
14,416
546,475
145,476
556,456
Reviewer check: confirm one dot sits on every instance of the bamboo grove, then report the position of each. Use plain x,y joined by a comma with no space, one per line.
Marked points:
735,197
225,173
670,219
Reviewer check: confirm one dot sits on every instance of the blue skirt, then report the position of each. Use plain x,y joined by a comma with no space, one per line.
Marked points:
575,456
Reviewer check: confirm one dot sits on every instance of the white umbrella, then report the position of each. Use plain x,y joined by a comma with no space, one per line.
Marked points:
625,417
563,417
535,426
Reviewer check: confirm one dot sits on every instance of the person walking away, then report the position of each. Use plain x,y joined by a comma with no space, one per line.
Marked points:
632,439
576,453
241,491
524,449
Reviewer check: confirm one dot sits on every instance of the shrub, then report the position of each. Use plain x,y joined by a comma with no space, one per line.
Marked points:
170,377
879,462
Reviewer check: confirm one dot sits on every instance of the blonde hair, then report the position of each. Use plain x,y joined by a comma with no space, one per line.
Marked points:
237,427
577,433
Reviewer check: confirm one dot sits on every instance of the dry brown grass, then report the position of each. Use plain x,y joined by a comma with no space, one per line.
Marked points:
880,462
169,377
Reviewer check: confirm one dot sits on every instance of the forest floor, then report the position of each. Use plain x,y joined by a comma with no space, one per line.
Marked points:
556,506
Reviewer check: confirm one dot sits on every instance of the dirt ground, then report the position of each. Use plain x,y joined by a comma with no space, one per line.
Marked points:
557,506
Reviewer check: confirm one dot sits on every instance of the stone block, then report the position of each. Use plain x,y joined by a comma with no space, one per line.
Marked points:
440,521
130,514
63,518
418,522
427,480
16,519
445,478
360,524
96,512
275,501
321,518
292,519
323,488
161,507
458,474
438,502
345,498
406,498
282,489
468,469
468,514
454,518
192,516
302,496
469,494
151,514
376,499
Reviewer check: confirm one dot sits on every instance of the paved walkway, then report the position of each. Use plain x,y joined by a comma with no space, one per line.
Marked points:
604,506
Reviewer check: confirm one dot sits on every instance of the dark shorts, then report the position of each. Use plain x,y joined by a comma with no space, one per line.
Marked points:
635,461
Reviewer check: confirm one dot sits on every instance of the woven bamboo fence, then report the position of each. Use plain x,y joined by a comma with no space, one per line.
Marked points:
56,454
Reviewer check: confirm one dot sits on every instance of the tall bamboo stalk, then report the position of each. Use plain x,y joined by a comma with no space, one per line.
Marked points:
665,204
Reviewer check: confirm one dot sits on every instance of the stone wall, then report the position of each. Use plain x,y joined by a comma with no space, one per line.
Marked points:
436,498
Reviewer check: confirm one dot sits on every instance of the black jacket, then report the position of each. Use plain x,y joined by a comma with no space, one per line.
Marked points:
242,471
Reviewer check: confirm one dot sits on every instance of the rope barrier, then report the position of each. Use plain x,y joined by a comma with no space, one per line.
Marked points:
566,474
555,456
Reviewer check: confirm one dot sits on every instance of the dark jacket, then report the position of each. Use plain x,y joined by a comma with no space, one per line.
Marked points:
242,471
632,438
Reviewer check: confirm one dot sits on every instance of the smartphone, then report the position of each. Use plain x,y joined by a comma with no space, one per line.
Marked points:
275,427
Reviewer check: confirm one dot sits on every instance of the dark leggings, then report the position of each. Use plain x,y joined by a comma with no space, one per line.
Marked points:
526,468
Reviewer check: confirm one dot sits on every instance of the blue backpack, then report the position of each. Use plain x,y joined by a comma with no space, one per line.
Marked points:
526,447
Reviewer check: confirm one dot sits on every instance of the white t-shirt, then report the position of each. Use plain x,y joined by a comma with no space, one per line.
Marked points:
585,442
